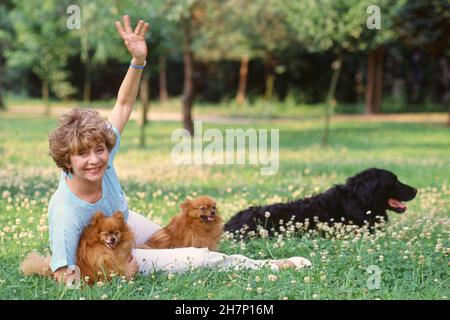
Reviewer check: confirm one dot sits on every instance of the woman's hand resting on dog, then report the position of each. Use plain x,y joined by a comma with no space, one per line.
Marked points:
132,267
62,274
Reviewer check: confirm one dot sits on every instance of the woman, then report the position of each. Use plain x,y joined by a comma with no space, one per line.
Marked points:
84,146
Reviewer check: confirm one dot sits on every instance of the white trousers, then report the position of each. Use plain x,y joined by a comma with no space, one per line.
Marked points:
180,260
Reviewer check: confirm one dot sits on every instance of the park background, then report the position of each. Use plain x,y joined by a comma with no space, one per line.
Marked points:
344,97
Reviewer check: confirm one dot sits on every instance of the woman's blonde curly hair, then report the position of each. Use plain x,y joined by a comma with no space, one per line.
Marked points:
79,130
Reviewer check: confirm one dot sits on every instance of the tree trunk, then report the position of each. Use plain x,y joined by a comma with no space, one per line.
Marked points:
87,81
445,79
359,86
374,81
331,102
163,96
270,80
144,96
2,104
46,96
188,86
86,60
243,72
448,120
270,77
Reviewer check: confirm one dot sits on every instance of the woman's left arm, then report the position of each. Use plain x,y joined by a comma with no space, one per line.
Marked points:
135,43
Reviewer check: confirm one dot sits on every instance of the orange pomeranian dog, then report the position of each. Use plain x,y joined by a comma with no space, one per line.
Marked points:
104,248
197,225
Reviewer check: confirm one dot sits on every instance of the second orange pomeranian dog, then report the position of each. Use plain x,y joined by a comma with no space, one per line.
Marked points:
197,225
105,247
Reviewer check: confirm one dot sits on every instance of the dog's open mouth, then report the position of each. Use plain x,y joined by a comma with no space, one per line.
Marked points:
111,245
396,205
207,218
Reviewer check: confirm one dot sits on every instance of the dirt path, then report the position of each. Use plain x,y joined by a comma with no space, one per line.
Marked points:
157,115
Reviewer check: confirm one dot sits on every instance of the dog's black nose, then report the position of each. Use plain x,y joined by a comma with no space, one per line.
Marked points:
213,212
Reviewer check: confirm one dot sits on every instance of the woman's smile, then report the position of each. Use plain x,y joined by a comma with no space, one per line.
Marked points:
95,170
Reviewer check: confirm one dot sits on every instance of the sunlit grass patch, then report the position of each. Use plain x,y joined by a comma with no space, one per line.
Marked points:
412,250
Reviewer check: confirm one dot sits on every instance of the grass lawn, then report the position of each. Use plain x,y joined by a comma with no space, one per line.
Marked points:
412,251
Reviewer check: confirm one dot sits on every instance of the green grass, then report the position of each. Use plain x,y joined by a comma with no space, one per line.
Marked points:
411,251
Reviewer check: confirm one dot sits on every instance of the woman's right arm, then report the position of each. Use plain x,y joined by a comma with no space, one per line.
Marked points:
64,236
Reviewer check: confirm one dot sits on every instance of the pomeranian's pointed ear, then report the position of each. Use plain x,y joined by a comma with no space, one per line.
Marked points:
97,217
118,215
186,204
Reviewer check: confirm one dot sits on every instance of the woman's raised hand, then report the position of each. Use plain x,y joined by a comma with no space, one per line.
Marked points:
134,40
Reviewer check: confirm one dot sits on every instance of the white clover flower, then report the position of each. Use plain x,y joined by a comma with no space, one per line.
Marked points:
272,277
267,214
263,233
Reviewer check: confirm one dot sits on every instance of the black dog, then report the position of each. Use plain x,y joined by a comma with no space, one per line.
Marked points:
363,199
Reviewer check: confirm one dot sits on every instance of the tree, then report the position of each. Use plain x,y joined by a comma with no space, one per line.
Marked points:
263,23
163,43
5,42
375,41
337,26
232,44
426,25
43,43
186,16
97,38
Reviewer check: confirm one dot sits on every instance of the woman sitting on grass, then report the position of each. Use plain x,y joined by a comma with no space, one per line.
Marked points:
84,147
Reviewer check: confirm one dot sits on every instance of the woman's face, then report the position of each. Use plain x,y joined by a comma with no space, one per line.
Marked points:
90,164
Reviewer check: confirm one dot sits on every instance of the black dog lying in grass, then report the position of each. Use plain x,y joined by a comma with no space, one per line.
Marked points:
364,199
